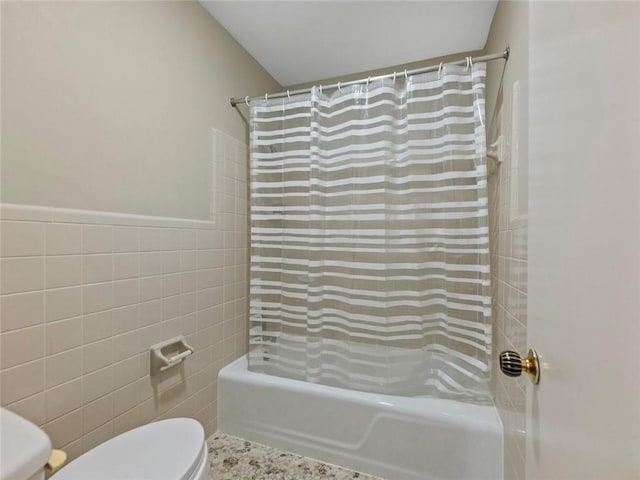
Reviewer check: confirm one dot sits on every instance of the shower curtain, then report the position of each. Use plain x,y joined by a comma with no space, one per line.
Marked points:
369,236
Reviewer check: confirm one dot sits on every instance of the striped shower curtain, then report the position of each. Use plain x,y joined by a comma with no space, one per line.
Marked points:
369,236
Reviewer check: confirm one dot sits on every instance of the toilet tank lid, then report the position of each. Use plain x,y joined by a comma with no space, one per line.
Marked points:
164,450
24,448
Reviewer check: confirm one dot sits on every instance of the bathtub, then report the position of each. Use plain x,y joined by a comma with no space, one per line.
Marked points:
395,437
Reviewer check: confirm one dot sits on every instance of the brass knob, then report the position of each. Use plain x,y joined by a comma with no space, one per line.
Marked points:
512,365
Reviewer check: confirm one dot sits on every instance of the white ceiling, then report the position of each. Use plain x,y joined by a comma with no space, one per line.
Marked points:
303,41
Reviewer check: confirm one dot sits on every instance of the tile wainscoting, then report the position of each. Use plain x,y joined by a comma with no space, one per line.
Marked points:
84,295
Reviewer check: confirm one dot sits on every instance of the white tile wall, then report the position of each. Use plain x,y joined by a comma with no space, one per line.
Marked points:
509,303
85,294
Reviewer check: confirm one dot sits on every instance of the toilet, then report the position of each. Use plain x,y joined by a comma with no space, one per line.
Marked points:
173,449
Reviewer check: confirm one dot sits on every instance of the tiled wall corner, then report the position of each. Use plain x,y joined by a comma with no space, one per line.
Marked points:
83,295
508,242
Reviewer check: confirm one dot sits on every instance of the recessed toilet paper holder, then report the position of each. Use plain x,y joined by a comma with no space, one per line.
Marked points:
169,353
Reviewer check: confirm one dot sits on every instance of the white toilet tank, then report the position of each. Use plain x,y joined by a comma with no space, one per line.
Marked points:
24,448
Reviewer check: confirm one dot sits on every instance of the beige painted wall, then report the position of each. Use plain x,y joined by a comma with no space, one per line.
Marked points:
508,222
110,106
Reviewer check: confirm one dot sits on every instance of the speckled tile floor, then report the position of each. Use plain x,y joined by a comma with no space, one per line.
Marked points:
233,458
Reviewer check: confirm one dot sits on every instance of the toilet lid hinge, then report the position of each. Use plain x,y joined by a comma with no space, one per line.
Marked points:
56,460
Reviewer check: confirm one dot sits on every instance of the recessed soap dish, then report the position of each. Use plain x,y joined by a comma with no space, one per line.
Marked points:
169,353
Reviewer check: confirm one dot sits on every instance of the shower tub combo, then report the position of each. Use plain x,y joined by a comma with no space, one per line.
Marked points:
403,438
370,296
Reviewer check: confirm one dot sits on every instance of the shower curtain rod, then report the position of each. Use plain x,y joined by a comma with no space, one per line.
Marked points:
484,58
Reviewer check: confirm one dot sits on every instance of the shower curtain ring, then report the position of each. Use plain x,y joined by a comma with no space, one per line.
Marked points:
368,80
406,78
320,88
394,77
266,97
288,96
468,62
246,100
440,70
339,88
